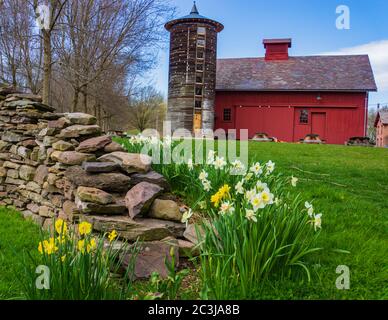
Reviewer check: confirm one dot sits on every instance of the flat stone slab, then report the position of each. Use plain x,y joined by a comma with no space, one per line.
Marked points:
129,162
78,130
143,228
72,157
100,167
94,195
80,118
94,144
111,209
151,177
110,182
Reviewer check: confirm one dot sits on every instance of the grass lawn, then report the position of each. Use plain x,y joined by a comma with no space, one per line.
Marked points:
16,235
349,185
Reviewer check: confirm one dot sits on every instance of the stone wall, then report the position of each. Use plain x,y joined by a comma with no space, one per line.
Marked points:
61,165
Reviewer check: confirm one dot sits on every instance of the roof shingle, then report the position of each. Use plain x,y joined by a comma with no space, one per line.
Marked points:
312,73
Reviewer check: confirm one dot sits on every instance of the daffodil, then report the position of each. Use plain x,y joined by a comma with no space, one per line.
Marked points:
256,169
60,226
190,164
294,181
202,205
249,194
203,175
250,215
210,157
317,221
219,163
84,228
47,246
310,208
248,176
215,199
112,235
260,186
239,187
267,197
270,166
257,202
226,207
206,185
91,246
238,168
186,216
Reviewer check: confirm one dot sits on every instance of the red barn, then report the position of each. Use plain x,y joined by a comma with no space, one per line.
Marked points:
289,97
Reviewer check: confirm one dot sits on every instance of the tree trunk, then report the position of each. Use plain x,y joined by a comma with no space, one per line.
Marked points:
75,100
46,66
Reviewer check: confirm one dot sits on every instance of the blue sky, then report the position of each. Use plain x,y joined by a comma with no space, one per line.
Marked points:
310,23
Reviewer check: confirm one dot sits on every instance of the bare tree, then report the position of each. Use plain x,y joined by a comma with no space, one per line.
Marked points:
147,109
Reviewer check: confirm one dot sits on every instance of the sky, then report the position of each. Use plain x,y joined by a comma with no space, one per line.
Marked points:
310,23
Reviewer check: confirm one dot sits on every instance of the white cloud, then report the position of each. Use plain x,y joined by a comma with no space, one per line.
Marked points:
378,54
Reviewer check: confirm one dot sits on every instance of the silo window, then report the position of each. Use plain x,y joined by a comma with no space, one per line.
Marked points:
198,91
199,67
227,114
200,43
199,54
199,78
198,104
201,30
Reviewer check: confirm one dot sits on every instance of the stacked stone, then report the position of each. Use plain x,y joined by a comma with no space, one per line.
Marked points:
60,165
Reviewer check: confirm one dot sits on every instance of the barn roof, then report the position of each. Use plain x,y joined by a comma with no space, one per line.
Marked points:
383,116
311,73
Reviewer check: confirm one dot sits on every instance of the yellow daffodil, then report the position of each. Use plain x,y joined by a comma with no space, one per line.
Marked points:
60,226
112,235
81,245
63,258
84,228
91,246
47,246
215,199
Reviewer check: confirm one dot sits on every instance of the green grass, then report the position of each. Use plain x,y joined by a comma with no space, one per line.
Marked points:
16,235
349,185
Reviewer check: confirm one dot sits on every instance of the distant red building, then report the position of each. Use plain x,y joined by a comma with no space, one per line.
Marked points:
289,97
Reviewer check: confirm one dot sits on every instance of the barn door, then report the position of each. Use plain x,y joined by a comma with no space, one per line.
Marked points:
318,124
197,123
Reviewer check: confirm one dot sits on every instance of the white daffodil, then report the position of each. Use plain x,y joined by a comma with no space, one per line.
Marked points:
238,167
294,181
270,167
310,208
219,163
260,186
240,187
257,202
202,205
203,175
317,221
249,194
210,157
190,164
267,197
206,185
248,176
226,207
250,215
186,216
256,169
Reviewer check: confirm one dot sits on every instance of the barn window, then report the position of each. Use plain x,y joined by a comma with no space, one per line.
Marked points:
304,117
227,114
199,54
198,104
